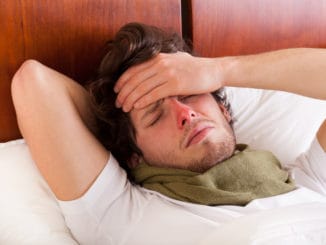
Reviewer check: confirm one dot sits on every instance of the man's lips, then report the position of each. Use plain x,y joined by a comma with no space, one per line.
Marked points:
197,134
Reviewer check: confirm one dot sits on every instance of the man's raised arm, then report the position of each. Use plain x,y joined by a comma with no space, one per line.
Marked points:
301,71
55,119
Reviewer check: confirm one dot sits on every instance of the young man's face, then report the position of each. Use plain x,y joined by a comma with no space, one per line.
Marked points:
190,132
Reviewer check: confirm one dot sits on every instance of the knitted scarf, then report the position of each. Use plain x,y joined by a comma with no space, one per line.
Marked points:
246,176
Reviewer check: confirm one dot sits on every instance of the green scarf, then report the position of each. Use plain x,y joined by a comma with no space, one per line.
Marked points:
246,176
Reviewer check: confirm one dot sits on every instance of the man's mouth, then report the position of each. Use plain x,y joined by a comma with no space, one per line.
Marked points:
198,134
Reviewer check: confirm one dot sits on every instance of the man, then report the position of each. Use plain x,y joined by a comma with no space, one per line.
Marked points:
174,124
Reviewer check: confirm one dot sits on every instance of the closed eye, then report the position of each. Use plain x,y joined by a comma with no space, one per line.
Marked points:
185,98
156,119
153,110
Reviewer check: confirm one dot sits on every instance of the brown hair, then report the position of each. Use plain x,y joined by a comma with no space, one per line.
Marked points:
133,44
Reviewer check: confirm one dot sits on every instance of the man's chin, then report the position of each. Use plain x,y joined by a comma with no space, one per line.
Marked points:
213,154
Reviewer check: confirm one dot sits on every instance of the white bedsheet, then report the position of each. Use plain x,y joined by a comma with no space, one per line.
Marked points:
304,224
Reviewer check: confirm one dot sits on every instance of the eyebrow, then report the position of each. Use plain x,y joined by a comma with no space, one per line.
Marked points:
152,109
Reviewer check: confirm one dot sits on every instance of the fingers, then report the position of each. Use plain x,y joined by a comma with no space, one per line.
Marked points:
133,83
147,92
135,76
157,93
132,71
151,91
163,76
139,80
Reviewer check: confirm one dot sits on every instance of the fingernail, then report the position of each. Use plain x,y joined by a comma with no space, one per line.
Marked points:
117,104
125,109
115,89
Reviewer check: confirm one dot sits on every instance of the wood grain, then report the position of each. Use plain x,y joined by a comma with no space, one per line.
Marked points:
67,35
11,52
233,27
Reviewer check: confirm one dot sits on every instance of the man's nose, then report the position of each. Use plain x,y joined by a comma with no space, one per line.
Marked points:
184,113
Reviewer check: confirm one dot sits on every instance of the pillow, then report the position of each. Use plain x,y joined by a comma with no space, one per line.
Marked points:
281,122
29,213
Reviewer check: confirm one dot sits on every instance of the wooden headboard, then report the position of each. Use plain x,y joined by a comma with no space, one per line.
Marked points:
68,35
233,27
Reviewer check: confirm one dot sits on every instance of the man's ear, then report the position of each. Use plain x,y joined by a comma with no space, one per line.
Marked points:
134,161
225,112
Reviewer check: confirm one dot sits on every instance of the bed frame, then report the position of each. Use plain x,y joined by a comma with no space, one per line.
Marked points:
68,35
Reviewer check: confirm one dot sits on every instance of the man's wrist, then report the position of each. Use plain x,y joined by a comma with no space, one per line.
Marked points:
227,70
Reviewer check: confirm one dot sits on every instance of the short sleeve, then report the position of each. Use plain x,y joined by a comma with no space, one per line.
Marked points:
83,215
309,169
109,210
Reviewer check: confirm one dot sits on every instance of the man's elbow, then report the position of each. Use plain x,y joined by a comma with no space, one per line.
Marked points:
26,73
24,77
24,86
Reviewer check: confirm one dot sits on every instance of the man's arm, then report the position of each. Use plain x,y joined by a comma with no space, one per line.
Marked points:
55,119
301,71
321,135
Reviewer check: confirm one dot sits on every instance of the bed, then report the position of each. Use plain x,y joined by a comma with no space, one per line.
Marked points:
69,35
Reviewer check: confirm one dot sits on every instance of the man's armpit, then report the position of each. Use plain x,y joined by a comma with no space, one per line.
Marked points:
321,135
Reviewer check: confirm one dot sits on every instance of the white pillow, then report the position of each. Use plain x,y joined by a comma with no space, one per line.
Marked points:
29,213
281,122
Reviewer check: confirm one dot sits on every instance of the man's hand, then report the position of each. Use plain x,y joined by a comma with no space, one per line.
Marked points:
167,75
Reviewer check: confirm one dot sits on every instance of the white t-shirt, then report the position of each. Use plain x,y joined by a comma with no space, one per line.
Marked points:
113,211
